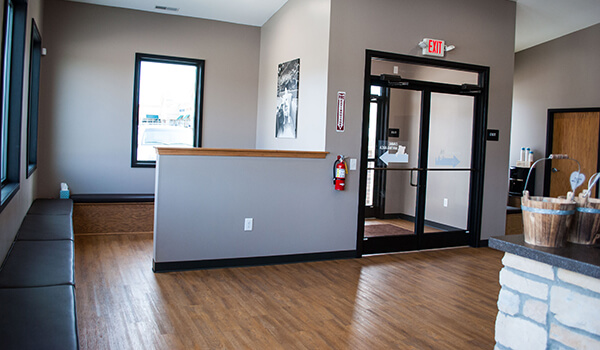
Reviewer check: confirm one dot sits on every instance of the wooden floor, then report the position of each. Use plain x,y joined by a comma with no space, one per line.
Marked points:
444,299
405,224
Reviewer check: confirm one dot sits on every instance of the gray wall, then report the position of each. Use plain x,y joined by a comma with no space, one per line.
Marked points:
294,208
483,32
88,90
562,73
12,216
292,201
89,78
300,29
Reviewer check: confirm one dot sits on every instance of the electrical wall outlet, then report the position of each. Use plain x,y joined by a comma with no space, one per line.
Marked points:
445,202
248,224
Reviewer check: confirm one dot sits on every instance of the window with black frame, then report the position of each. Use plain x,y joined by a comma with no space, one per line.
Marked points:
13,51
6,63
35,57
167,105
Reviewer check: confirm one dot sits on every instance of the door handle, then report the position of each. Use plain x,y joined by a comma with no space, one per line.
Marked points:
554,170
412,172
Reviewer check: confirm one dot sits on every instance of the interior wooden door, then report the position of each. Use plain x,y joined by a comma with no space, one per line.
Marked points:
575,133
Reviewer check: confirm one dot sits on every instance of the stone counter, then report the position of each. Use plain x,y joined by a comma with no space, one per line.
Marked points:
550,297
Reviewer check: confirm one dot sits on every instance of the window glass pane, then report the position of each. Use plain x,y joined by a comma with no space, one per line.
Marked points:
450,145
34,92
372,149
6,63
376,90
370,183
167,98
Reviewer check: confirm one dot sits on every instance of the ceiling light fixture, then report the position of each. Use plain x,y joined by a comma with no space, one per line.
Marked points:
166,8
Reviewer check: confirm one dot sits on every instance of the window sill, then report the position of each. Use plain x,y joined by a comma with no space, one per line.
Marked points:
30,169
7,193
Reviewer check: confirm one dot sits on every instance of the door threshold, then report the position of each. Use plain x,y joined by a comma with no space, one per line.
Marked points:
418,251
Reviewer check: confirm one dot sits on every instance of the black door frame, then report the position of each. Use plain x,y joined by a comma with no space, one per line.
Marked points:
477,153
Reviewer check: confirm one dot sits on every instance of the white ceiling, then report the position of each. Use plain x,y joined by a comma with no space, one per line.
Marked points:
538,21
248,12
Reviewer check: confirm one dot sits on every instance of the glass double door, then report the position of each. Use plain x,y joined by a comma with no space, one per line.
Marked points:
419,168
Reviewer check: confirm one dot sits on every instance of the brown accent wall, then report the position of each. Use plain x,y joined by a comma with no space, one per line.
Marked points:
106,218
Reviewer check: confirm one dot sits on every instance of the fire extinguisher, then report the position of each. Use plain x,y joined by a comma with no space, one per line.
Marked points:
339,173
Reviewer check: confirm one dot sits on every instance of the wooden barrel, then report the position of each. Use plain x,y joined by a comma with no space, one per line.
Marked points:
546,221
586,228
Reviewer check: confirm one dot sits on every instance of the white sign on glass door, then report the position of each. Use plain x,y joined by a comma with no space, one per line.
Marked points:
394,152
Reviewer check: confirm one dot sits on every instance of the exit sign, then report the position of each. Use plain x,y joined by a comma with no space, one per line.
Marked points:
433,47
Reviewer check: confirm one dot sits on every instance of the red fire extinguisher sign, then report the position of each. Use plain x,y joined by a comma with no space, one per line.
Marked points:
341,112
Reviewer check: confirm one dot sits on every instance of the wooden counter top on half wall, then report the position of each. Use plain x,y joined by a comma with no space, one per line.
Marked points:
226,152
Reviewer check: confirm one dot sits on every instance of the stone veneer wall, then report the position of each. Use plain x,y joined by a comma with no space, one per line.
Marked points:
545,307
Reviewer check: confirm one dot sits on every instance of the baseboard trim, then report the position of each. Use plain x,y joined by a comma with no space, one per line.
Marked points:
253,261
483,243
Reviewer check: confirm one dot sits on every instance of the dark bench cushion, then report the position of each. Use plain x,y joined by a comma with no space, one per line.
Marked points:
38,264
51,207
38,318
46,228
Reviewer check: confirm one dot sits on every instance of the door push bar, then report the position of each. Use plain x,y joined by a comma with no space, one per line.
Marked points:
414,171
424,169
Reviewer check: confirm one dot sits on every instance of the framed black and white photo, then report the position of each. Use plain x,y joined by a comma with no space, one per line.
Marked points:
288,78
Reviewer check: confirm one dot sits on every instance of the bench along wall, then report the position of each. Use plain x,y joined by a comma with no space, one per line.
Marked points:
291,200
